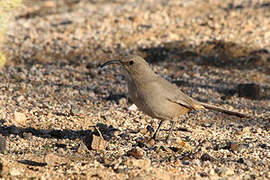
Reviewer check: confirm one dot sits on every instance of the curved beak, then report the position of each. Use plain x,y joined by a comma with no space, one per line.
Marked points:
110,62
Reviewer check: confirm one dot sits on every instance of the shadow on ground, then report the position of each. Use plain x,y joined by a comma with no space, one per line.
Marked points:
107,132
219,54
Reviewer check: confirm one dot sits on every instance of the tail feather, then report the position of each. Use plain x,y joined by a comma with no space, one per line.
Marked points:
212,107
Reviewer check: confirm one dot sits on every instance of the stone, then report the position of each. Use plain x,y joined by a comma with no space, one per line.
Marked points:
206,157
136,152
251,91
94,142
19,118
133,107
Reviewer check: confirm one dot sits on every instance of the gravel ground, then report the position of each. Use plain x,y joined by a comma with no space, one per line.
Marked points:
63,117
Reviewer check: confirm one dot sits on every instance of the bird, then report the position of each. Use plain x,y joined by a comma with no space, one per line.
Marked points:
156,96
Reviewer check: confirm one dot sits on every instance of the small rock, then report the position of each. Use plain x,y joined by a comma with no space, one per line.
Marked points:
181,145
186,162
136,152
263,146
122,101
212,172
236,147
203,174
240,160
143,131
152,142
259,130
251,91
19,118
133,107
94,142
108,161
206,157
82,148
20,98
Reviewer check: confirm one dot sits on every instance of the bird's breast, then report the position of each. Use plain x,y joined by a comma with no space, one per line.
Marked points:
150,99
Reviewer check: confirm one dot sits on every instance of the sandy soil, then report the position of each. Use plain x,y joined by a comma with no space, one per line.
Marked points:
63,117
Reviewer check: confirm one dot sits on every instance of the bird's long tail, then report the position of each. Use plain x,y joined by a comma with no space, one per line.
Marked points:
212,107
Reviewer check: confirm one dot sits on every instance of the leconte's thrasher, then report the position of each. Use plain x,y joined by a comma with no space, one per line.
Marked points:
156,96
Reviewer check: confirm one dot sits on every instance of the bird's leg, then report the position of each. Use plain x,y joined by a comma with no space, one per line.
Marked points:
170,131
155,134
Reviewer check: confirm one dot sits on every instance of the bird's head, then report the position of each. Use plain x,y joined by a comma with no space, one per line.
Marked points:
133,64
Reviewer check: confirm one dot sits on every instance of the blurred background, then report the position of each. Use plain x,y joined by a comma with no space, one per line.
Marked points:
219,33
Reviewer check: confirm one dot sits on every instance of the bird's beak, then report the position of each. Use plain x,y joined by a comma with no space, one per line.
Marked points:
110,62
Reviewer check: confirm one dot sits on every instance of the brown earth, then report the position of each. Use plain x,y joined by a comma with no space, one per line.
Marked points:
63,117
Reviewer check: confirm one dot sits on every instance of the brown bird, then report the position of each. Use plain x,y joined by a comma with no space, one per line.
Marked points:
156,96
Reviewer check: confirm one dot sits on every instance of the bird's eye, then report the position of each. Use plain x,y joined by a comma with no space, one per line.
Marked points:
131,62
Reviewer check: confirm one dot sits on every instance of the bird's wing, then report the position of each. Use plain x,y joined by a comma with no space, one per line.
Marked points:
174,94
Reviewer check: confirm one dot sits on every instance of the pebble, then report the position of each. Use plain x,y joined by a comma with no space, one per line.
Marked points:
186,162
95,142
251,91
206,157
19,118
236,147
136,152
122,101
20,98
240,160
133,107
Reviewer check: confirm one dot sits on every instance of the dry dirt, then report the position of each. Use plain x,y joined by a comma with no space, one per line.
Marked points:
63,117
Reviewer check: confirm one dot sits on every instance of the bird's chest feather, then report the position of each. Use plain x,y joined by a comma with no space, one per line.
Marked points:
150,99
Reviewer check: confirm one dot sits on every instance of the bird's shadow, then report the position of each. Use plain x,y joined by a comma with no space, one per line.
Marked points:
107,132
